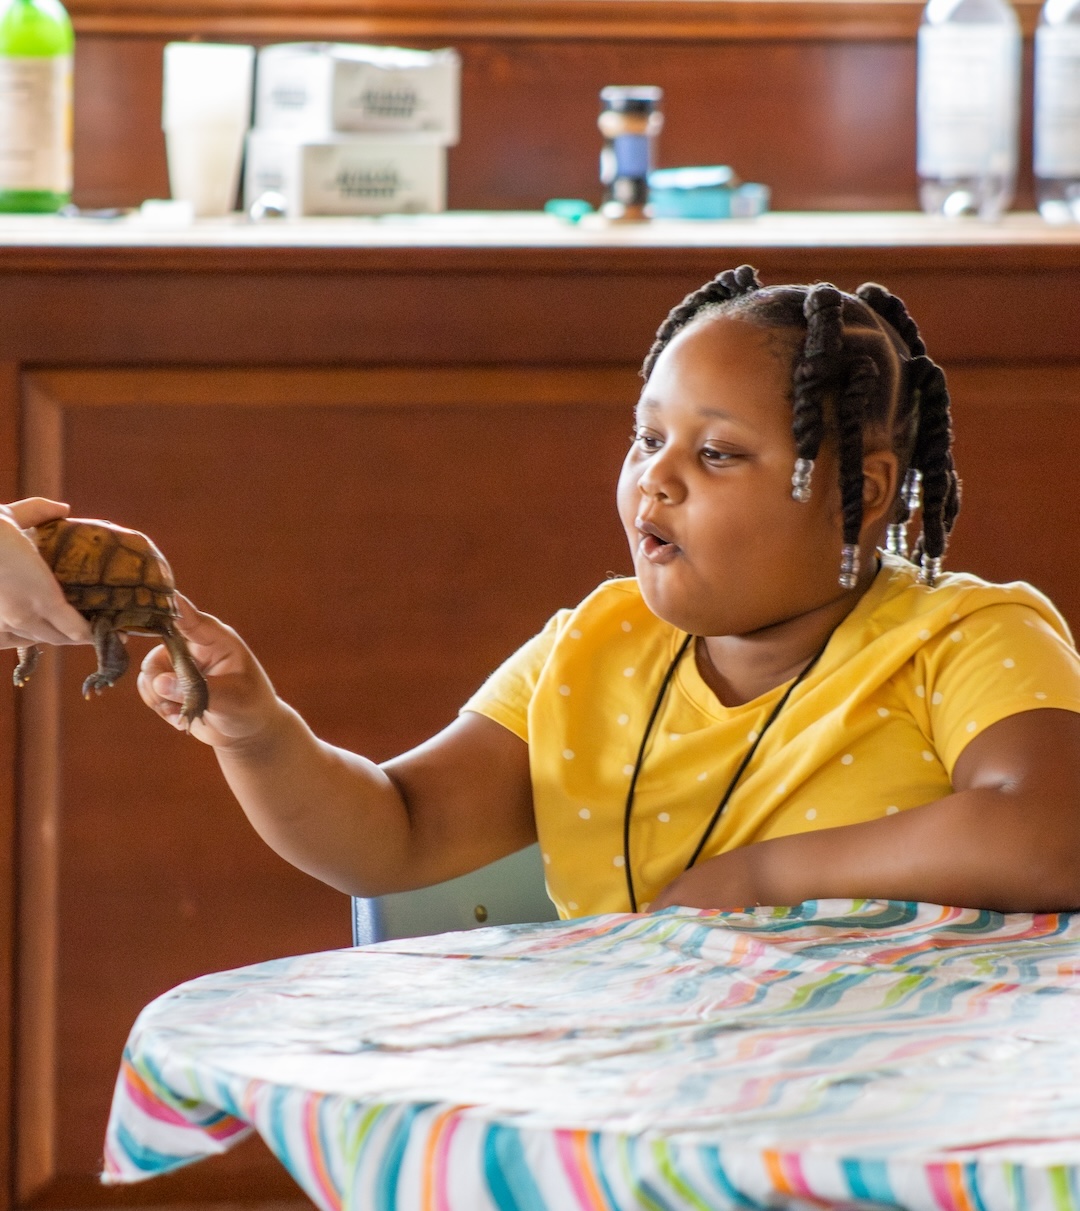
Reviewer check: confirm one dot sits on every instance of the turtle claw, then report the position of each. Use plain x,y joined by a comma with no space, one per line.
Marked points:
96,683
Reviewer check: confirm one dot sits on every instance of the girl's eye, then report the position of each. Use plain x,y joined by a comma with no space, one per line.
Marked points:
646,440
716,456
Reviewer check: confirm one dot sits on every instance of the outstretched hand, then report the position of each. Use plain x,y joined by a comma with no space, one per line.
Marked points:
242,705
32,605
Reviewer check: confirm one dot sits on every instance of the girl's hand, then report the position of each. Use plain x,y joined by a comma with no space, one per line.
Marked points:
32,604
728,881
243,706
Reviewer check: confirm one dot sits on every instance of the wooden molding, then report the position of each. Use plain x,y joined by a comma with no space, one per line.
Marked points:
38,852
454,20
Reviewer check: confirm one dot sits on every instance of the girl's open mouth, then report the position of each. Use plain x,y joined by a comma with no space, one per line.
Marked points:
657,550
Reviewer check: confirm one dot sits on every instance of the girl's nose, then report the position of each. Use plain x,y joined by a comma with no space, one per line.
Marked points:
659,480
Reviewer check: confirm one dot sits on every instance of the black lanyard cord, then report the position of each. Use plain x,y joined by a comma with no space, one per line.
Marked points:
731,785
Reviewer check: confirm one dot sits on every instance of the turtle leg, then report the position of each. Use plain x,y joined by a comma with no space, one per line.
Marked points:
28,658
190,678
111,654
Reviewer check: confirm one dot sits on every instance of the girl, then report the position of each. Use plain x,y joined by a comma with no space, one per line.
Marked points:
780,706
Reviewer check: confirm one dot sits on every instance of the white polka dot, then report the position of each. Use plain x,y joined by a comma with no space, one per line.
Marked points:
663,817
924,634
575,634
927,755
702,777
846,759
938,698
674,735
1041,696
883,711
972,726
782,788
618,860
585,814
891,811
629,672
623,720
564,690
1008,663
628,770
568,754
547,859
752,735
572,905
954,617
920,691
811,813
626,626
1029,622
956,636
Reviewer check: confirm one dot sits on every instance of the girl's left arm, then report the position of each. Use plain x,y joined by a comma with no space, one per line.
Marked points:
1007,838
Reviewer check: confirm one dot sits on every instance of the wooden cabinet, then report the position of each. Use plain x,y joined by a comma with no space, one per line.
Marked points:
385,459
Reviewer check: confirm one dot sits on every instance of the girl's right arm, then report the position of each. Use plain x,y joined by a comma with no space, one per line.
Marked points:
456,802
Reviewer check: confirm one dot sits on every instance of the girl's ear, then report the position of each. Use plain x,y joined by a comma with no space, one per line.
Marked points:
881,473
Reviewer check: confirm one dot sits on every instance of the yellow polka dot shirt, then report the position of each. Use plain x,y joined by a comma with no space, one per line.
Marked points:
907,680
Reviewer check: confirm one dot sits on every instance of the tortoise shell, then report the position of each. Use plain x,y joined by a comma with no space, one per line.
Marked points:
105,568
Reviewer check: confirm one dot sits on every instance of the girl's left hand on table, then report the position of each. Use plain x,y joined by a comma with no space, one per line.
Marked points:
729,881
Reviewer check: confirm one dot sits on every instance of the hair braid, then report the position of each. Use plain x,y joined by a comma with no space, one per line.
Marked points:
933,457
816,368
893,312
731,284
850,419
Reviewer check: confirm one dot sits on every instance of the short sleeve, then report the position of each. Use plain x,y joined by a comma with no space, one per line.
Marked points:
996,661
508,692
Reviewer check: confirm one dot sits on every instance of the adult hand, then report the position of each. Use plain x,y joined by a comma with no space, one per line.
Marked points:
32,604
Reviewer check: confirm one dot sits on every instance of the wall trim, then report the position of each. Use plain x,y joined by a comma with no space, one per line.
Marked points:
456,20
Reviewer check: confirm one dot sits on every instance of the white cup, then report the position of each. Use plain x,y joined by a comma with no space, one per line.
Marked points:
206,112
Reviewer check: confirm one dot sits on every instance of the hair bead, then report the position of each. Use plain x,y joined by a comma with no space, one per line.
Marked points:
800,480
912,489
849,566
930,570
896,539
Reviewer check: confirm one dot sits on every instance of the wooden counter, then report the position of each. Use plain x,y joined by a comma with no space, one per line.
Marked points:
385,451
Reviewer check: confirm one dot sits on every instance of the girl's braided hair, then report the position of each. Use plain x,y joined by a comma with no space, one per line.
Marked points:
861,367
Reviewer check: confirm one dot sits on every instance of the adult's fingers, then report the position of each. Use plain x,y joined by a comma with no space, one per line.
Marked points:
36,510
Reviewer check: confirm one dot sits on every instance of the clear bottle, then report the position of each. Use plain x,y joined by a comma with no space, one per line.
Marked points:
968,107
36,51
1057,111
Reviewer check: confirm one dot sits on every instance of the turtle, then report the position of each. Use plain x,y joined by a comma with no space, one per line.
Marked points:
119,581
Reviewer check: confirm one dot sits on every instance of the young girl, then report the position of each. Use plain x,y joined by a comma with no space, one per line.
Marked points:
780,706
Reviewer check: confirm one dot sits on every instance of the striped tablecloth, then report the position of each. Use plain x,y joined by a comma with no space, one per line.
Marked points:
839,1052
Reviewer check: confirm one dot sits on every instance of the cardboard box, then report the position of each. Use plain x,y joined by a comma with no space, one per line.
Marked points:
346,174
326,87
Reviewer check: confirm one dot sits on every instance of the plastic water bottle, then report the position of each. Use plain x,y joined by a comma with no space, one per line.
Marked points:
36,46
1057,111
968,107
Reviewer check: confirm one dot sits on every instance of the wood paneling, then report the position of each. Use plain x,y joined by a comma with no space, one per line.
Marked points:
9,480
383,539
668,20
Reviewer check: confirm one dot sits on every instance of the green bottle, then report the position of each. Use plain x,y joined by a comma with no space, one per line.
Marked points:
36,52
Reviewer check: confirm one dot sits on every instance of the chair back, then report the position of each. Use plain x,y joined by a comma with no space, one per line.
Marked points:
508,892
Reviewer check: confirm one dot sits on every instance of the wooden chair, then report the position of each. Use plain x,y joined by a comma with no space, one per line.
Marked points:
508,892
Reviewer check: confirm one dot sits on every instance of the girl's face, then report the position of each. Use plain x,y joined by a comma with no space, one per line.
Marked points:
719,545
